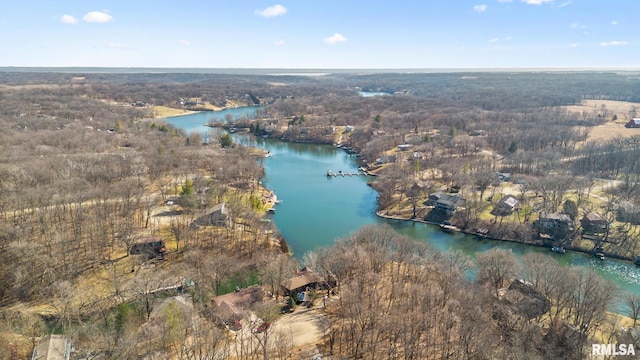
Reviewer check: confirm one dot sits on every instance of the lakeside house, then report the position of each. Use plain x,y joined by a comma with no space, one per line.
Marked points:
506,206
593,223
447,203
304,281
217,215
52,347
386,159
555,226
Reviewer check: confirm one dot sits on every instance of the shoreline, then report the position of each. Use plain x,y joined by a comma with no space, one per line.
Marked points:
484,237
379,213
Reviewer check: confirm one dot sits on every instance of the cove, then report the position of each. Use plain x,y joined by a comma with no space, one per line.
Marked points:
316,210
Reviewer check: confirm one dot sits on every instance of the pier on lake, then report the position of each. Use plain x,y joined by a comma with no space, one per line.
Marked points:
348,173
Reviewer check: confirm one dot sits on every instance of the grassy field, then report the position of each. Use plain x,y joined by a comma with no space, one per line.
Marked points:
623,111
163,112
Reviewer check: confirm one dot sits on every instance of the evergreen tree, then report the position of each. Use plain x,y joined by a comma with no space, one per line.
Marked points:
226,141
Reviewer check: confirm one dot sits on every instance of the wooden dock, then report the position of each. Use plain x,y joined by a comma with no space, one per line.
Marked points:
349,173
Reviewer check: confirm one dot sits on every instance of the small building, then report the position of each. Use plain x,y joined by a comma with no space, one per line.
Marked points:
215,216
506,206
628,212
593,223
52,347
447,203
556,226
633,123
505,177
404,147
386,159
151,247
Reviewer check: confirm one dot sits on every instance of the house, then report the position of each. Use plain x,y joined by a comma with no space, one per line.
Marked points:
151,247
304,280
419,187
633,123
506,206
215,216
556,226
448,203
628,212
386,159
52,347
593,223
523,299
404,147
236,303
505,177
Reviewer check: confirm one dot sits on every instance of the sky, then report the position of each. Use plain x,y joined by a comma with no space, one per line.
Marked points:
321,34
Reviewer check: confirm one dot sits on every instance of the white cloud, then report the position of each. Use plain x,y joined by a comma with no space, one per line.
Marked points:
536,2
97,17
575,45
614,43
480,8
184,42
508,38
494,40
272,11
279,43
504,1
334,39
576,25
115,45
614,23
566,3
68,19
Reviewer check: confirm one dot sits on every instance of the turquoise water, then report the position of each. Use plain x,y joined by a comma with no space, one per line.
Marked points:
197,121
316,210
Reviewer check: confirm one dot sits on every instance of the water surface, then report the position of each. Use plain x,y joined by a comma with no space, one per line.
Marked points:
316,209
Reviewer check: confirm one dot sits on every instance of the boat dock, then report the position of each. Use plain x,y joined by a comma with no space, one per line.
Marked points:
348,173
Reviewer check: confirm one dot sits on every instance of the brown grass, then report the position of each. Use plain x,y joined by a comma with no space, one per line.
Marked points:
608,108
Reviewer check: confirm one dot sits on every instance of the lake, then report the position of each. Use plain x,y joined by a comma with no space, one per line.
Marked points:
316,209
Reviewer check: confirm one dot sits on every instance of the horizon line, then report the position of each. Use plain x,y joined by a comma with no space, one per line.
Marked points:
329,70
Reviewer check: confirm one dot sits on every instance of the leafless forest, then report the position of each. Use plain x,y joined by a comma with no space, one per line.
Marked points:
86,174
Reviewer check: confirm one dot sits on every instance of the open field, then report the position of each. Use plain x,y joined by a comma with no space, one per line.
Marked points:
623,111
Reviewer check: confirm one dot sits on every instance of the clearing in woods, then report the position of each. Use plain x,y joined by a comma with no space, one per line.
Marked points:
623,110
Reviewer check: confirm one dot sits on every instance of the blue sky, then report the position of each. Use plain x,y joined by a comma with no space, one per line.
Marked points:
321,34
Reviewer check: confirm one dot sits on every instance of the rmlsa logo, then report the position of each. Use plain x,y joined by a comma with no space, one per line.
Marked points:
612,349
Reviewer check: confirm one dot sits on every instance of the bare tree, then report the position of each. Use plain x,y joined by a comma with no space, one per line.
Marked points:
496,267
